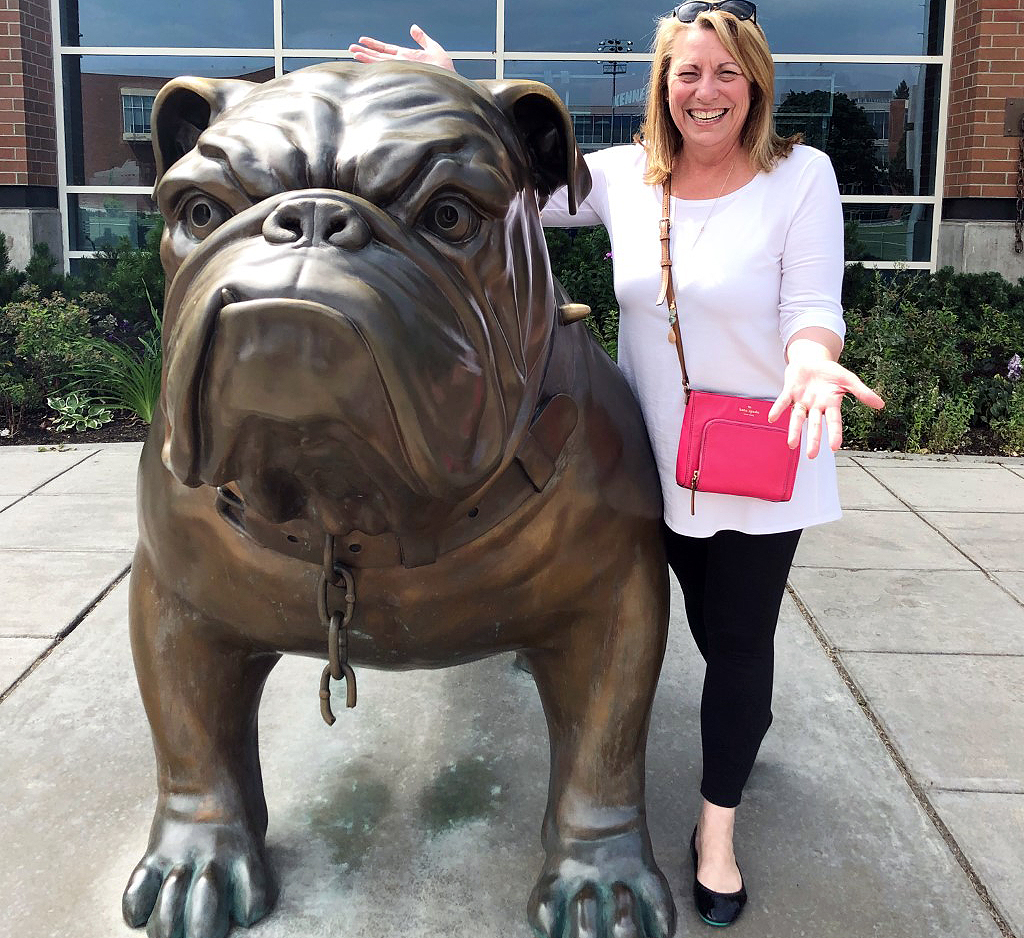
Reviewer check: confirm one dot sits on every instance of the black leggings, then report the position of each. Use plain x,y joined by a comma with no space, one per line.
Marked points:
733,585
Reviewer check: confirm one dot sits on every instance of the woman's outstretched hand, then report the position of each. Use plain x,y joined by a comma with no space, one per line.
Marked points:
815,385
369,49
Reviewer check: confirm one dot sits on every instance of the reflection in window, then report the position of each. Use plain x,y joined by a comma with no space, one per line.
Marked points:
888,232
606,106
876,122
137,108
226,23
101,222
868,27
110,100
459,25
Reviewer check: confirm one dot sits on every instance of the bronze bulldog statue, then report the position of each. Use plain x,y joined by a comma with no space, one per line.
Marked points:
380,443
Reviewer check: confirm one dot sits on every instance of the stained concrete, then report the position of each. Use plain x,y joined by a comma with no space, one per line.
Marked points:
989,828
1013,582
913,610
858,489
54,587
978,488
25,468
992,541
878,540
16,656
70,522
110,472
419,812
959,718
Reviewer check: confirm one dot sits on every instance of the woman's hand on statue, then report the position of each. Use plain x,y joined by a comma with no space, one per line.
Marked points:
816,388
369,49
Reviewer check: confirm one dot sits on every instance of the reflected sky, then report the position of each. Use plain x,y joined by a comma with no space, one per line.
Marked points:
225,23
465,25
897,27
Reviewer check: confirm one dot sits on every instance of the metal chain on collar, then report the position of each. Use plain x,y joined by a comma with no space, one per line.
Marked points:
1018,227
335,621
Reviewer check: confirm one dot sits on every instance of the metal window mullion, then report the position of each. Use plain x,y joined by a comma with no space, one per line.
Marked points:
940,156
278,38
499,39
166,51
109,190
61,155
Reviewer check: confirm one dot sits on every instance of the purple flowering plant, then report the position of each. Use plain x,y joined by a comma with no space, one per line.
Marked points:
1013,368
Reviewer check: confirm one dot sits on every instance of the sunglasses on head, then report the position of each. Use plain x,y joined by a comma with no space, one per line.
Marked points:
689,10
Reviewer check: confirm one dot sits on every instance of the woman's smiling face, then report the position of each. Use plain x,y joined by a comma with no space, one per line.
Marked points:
708,94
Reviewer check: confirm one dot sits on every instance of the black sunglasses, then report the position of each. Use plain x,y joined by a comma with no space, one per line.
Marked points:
689,10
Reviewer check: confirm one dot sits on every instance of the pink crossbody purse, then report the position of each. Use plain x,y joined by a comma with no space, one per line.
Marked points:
726,444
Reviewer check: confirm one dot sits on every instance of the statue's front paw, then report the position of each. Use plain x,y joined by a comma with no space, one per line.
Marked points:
609,888
196,878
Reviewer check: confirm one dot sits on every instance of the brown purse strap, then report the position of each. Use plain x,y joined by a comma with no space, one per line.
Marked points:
667,290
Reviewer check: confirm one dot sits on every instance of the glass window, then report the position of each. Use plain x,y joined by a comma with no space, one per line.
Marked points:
871,27
879,123
606,100
108,100
467,68
101,221
459,25
887,232
226,23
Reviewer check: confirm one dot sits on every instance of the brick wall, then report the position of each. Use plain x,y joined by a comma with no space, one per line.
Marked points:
988,68
28,145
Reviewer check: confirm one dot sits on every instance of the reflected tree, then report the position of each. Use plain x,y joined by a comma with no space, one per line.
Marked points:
835,123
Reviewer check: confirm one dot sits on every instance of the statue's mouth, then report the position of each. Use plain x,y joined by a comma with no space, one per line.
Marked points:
244,352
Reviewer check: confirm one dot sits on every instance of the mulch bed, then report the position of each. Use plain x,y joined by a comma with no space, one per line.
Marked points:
119,430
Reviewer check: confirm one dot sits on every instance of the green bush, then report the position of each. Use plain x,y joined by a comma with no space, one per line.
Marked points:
43,340
581,258
936,348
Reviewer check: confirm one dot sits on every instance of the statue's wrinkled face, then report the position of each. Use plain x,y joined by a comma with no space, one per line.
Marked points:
359,302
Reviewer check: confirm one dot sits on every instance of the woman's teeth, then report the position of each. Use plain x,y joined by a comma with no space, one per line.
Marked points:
707,116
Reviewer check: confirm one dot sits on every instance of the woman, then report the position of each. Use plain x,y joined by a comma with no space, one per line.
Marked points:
757,266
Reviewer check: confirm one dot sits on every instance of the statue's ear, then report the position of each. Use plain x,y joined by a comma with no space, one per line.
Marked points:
184,108
546,128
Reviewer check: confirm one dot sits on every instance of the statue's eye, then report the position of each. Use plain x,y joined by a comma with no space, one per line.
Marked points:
202,215
451,219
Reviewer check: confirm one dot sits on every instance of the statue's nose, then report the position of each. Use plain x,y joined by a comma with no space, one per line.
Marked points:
313,222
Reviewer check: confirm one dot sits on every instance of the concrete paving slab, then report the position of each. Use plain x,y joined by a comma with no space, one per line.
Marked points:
979,487
952,611
909,460
70,522
877,540
24,468
45,590
1017,470
16,657
858,489
6,500
958,720
109,472
1014,582
993,541
419,813
989,828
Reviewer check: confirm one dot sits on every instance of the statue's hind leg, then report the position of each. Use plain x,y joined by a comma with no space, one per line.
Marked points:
205,864
597,687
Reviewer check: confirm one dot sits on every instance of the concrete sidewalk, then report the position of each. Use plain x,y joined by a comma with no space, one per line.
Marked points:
888,799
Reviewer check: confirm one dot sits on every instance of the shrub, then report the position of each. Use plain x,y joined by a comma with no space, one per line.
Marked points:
78,412
581,259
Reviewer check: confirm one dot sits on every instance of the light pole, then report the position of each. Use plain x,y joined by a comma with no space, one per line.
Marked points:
614,68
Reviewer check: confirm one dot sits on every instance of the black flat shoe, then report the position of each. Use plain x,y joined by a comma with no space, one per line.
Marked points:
715,908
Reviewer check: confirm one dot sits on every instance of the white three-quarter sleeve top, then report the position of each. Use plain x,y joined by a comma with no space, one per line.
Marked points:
768,263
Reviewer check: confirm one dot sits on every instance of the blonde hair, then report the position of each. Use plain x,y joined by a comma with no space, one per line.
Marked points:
747,46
